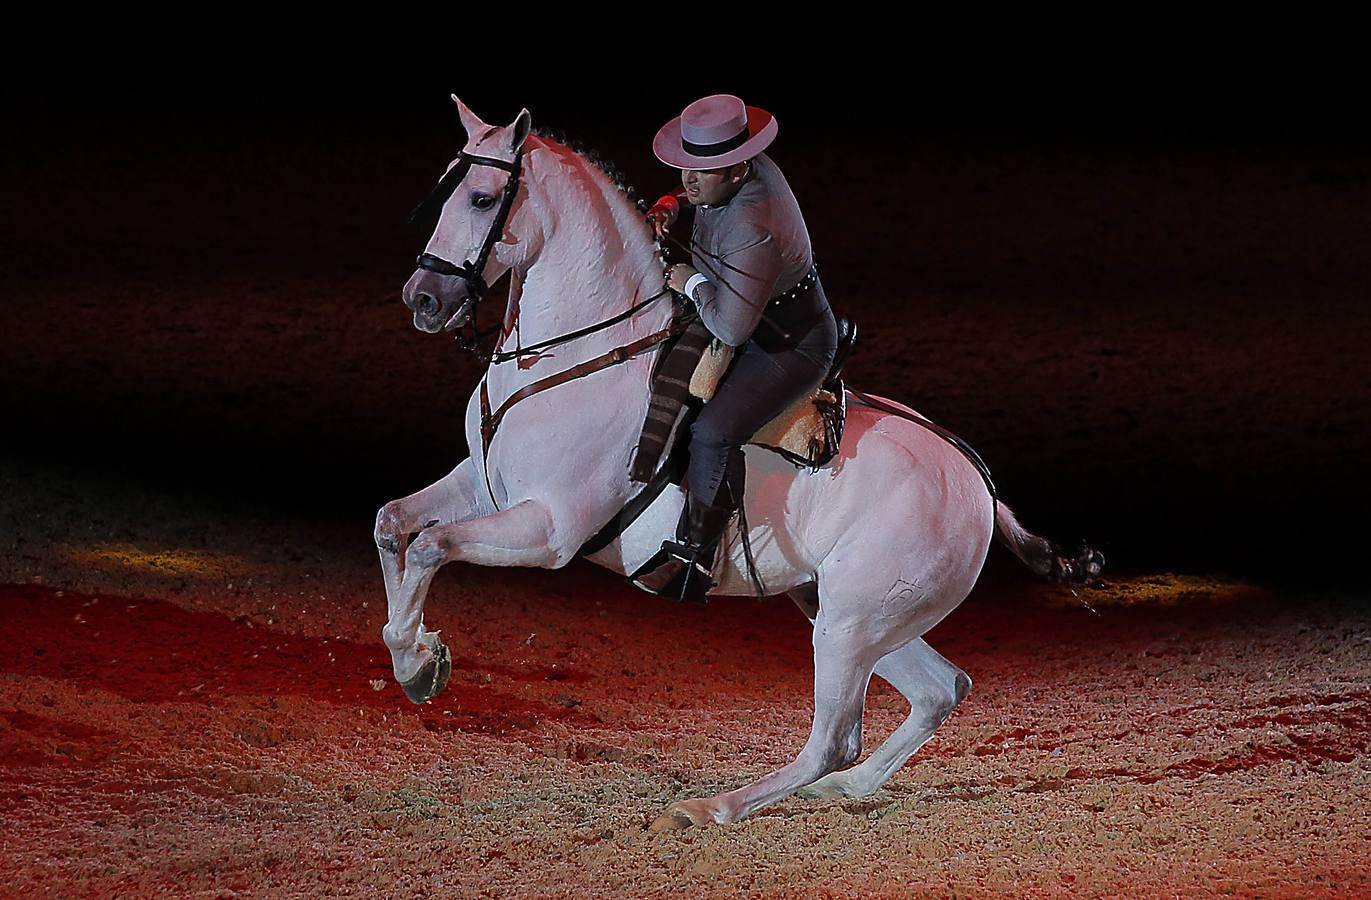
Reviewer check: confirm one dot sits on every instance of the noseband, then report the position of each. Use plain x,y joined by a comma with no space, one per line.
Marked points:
432,206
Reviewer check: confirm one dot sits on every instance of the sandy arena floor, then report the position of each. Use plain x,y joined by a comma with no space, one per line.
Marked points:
168,733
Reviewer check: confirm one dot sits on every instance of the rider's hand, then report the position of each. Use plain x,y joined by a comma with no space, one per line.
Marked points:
659,217
678,275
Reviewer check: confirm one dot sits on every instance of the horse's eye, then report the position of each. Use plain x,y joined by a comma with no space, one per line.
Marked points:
482,201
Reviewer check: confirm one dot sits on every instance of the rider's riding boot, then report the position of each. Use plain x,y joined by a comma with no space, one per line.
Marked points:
683,568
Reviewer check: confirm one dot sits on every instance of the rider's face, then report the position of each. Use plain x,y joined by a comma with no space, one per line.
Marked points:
713,186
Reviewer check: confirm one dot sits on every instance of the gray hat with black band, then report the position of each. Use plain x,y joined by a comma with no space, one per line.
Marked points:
714,132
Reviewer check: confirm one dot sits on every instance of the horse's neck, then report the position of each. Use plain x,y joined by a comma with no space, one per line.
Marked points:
596,261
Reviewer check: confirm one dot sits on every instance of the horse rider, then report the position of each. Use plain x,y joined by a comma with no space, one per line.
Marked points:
754,282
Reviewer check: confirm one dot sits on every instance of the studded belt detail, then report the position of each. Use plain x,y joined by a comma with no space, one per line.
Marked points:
803,287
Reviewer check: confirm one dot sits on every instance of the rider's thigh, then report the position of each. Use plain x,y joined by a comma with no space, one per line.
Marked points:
757,388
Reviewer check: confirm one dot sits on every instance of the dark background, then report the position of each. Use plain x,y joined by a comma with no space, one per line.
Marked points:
1144,304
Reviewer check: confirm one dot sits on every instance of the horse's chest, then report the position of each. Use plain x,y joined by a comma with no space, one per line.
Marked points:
559,436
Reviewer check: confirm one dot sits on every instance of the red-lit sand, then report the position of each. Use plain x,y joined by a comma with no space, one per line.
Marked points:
169,736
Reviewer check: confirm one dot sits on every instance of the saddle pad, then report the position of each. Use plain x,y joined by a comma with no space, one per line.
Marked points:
704,381
808,431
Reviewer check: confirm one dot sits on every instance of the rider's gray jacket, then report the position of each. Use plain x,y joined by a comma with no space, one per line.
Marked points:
749,249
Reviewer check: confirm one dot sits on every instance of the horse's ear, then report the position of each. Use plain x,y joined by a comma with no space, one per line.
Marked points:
470,121
519,129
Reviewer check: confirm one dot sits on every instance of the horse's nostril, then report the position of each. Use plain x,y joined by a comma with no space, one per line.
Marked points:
427,304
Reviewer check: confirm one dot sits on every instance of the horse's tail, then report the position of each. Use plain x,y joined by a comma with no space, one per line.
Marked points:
1041,555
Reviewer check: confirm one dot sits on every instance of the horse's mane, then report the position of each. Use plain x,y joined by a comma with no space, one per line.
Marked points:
589,154
602,165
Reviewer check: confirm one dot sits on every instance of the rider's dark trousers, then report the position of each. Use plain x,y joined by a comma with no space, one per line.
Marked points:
769,372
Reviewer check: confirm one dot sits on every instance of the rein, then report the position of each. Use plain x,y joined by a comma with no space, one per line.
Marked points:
972,456
941,432
717,278
473,274
490,419
507,355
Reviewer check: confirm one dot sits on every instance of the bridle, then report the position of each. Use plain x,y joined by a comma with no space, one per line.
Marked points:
473,272
470,272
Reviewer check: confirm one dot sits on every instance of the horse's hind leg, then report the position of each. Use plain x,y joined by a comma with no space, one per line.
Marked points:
933,686
806,597
843,660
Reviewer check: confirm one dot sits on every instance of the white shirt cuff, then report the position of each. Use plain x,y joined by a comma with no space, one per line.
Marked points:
692,283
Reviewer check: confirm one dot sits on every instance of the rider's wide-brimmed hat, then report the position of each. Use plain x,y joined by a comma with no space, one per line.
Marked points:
713,132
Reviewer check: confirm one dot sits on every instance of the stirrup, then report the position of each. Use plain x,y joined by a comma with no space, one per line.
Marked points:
677,571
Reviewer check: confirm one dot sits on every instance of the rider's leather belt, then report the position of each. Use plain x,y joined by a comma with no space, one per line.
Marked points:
811,278
790,316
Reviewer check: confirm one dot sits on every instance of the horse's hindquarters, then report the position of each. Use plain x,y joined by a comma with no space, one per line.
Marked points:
899,524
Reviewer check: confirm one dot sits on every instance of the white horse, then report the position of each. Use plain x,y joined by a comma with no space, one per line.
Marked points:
876,547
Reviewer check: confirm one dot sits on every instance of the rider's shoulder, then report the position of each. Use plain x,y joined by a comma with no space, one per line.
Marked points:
744,232
752,216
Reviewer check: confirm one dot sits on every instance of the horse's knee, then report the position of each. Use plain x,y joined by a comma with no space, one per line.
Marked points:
389,526
427,552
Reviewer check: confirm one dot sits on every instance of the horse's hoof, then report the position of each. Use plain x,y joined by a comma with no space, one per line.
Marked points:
432,676
1092,563
680,816
1087,565
388,528
671,821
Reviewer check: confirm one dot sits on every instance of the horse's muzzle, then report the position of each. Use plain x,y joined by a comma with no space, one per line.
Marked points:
439,303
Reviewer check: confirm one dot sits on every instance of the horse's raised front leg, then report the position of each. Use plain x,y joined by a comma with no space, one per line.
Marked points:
518,536
933,686
452,498
843,661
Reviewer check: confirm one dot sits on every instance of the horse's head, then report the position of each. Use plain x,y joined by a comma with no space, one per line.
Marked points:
478,232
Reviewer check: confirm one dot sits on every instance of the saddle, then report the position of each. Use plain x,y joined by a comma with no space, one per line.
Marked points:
688,371
807,433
